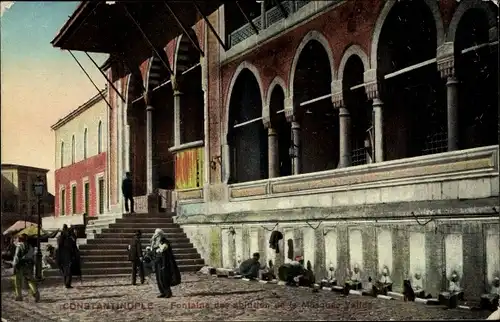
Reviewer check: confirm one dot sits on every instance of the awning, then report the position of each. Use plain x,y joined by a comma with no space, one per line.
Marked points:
99,27
18,226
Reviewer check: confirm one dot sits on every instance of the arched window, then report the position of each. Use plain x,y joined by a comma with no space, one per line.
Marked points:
62,154
73,149
99,137
85,144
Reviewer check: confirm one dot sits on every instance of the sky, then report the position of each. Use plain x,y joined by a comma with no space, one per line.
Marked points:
39,83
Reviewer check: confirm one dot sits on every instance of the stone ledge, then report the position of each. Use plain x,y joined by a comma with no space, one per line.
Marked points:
379,211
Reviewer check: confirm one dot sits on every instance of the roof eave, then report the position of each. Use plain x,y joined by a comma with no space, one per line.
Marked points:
58,40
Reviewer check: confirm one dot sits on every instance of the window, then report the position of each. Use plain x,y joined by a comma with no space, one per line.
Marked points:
101,195
99,137
73,149
62,206
73,199
85,144
86,189
23,186
62,154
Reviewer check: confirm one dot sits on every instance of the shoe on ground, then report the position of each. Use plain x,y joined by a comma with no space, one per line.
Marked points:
18,298
161,296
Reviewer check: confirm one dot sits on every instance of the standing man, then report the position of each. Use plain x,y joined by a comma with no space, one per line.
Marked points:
23,264
135,256
127,191
65,255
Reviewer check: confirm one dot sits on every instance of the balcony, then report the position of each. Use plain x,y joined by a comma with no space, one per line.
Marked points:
244,38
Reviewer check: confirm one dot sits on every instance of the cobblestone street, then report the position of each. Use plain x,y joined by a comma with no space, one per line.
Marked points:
206,298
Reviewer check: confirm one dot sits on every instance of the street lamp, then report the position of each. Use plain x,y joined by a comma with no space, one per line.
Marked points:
39,189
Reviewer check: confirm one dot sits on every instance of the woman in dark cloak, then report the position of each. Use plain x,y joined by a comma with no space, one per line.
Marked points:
169,274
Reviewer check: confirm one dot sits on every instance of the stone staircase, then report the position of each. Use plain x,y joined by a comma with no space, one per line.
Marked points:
104,253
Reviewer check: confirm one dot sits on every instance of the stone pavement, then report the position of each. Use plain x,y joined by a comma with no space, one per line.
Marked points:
202,297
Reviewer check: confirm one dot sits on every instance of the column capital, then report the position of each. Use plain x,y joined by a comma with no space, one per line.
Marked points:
372,91
266,120
338,99
149,108
290,115
445,59
370,79
446,66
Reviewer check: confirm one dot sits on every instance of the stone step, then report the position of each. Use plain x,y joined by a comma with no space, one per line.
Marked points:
138,220
112,271
144,231
150,215
125,245
122,251
170,234
86,264
123,257
113,240
143,226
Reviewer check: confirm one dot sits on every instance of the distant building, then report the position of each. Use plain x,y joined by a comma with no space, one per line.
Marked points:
18,199
81,145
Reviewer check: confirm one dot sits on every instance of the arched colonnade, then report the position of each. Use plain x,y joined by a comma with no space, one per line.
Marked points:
422,90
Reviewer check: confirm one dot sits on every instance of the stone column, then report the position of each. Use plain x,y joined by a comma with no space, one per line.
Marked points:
263,15
295,124
177,117
378,126
296,162
149,150
273,163
446,67
344,130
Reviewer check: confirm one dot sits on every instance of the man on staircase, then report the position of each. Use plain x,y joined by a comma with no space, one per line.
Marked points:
127,191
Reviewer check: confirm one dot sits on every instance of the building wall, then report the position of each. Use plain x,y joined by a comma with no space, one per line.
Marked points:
83,169
88,170
88,119
17,192
371,215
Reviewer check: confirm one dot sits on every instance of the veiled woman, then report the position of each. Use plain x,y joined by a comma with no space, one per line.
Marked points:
168,273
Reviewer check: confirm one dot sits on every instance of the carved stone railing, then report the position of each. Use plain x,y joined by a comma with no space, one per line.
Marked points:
458,165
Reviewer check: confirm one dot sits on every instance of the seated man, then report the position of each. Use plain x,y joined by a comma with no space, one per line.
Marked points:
418,287
354,278
330,279
490,301
384,285
454,294
295,274
250,267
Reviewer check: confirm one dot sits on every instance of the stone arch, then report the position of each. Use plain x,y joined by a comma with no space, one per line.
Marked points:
319,37
244,65
353,50
277,81
462,8
434,8
182,38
